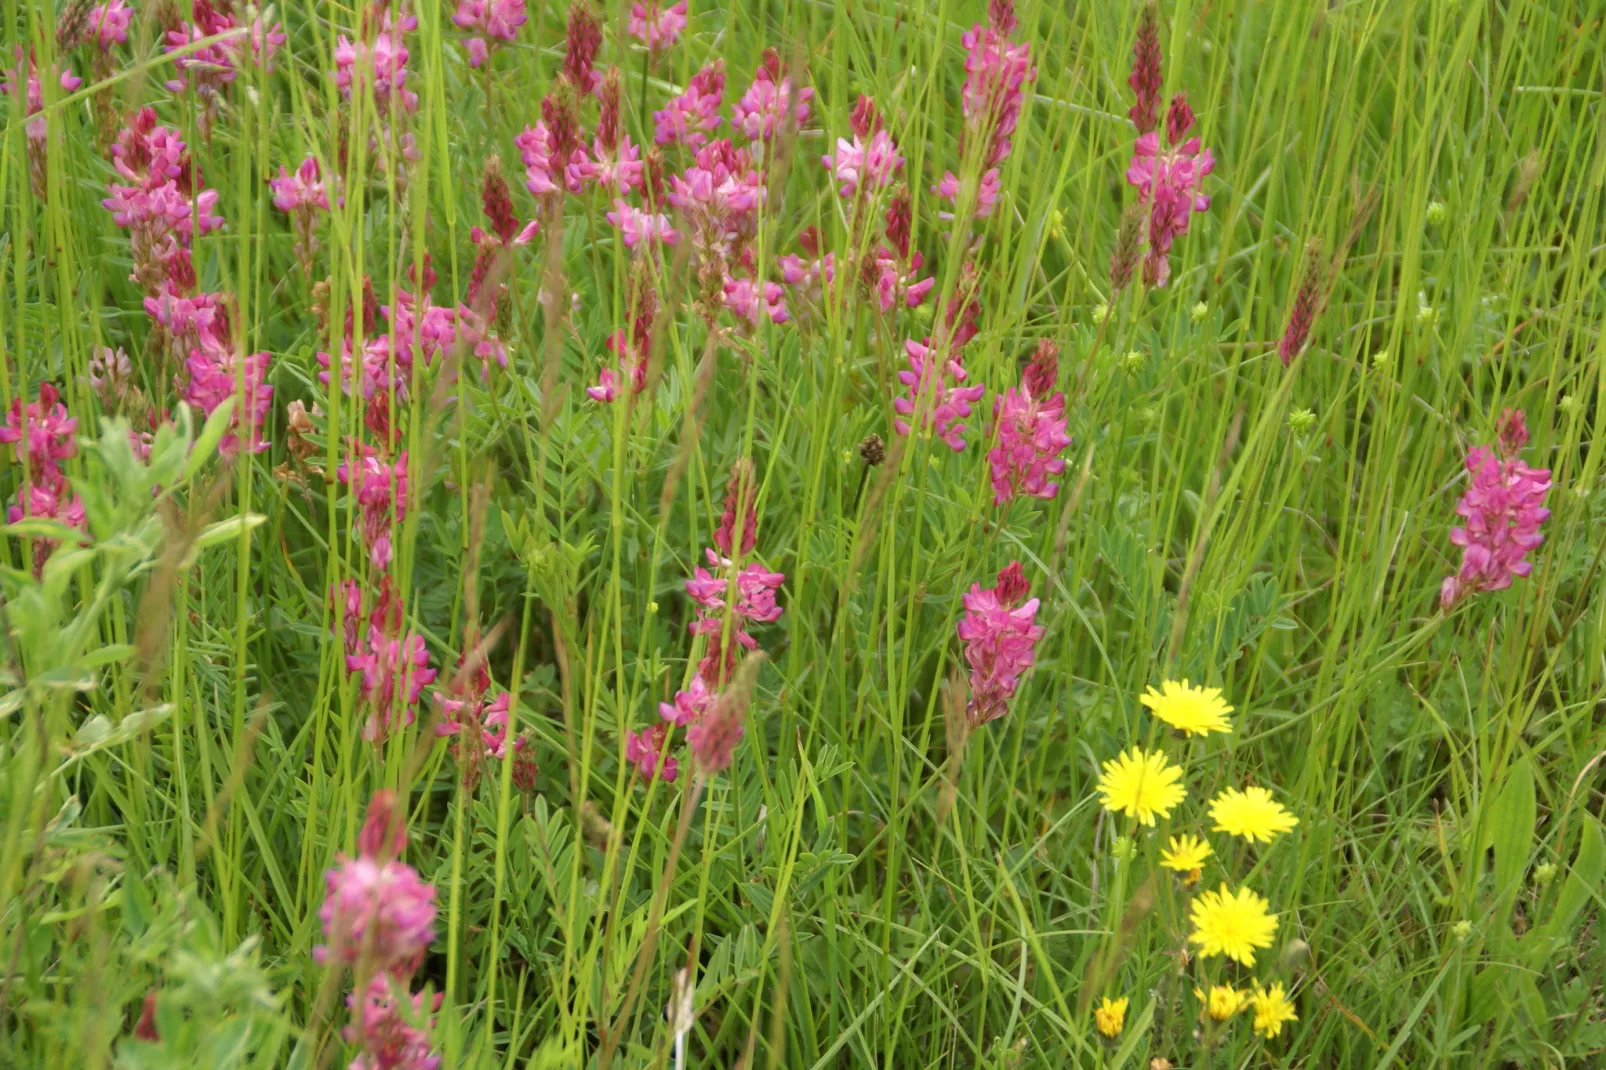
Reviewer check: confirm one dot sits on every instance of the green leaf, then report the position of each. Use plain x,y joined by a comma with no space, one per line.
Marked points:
217,424
106,655
1511,834
41,527
1585,880
224,530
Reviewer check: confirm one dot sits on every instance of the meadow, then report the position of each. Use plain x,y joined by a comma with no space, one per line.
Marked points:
803,533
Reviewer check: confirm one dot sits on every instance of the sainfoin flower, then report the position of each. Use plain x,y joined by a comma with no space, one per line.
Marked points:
714,737
217,373
1142,785
1168,181
395,670
497,19
638,227
1503,509
1146,79
382,1027
109,23
1234,924
378,912
768,104
690,117
656,26
935,398
41,436
1000,637
859,165
381,66
996,72
381,490
645,750
1030,425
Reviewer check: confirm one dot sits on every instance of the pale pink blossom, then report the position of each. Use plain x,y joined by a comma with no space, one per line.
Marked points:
768,105
752,301
689,705
498,20
395,669
376,912
657,27
381,67
41,436
637,227
855,163
382,1029
689,118
219,372
109,23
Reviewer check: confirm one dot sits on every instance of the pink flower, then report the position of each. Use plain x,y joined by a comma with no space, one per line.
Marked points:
395,670
713,739
999,638
382,1027
1503,509
497,19
691,116
48,500
996,72
208,69
376,912
582,41
689,705
855,162
217,373
808,278
381,66
755,599
988,190
1030,424
548,170
300,191
637,226
935,400
41,436
893,284
767,105
1169,182
607,387
617,170
110,22
631,351
745,298
741,494
657,27
381,491
645,750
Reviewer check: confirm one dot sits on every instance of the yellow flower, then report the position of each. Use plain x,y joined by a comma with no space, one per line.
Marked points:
1194,711
1222,1001
1110,1016
1141,784
1232,924
1251,813
1272,1009
1185,854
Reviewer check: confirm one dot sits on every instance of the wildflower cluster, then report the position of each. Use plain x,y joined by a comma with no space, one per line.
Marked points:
1502,509
1168,174
730,595
40,435
379,919
1235,924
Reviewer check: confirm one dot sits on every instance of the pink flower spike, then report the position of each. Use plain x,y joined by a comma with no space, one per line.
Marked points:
1030,427
607,387
689,705
1146,79
477,52
934,396
110,22
656,27
873,165
999,637
376,912
42,436
1503,509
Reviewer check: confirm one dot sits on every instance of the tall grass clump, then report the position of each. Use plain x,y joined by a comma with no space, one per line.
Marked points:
610,533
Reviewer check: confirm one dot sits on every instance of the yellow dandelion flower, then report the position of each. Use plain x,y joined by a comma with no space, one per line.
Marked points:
1251,813
1141,784
1232,924
1222,1001
1193,711
1185,854
1110,1016
1272,1009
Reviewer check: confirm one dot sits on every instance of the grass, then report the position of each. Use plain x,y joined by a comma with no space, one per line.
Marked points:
183,754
